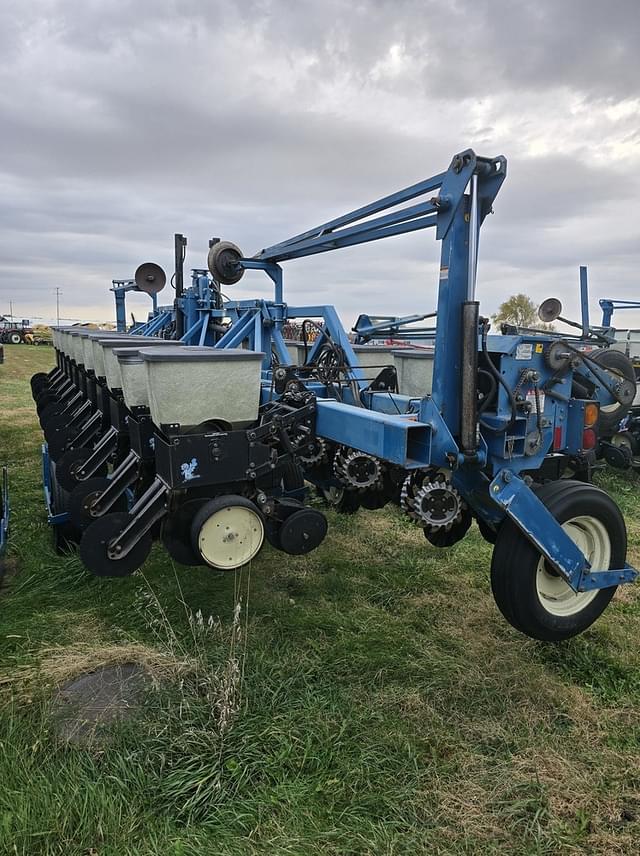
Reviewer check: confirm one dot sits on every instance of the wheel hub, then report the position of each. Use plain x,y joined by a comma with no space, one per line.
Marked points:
555,594
432,501
358,470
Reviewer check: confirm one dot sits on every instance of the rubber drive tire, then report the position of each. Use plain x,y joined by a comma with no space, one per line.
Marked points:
175,532
618,364
515,562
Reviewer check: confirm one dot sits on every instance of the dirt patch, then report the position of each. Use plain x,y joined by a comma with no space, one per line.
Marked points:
87,704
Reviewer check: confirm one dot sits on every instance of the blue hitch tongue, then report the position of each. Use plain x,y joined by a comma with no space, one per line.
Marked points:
535,521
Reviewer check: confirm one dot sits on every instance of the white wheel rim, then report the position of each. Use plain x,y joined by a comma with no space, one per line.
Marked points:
231,537
556,596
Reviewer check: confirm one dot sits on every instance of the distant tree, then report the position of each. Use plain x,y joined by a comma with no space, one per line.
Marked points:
521,311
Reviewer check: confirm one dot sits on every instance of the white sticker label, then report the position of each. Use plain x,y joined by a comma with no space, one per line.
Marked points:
524,351
531,398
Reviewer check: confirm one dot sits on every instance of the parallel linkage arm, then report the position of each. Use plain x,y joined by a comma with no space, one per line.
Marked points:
360,226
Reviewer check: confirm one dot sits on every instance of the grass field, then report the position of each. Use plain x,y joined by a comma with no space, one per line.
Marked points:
367,699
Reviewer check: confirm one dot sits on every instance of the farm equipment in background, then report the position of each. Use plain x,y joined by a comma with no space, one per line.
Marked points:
617,351
235,429
624,448
12,333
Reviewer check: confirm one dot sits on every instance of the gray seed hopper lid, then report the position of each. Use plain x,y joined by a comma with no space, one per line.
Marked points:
123,341
196,354
132,354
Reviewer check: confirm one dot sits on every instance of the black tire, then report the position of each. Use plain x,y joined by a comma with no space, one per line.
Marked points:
302,531
44,400
488,532
515,564
94,542
550,489
59,442
15,338
449,537
54,420
39,382
66,536
373,500
618,364
175,533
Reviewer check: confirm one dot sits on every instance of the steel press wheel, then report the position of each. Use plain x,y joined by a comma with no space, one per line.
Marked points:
39,382
82,497
529,593
59,442
54,417
94,547
70,462
227,532
56,422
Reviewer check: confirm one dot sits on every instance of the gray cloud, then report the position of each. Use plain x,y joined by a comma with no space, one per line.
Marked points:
123,122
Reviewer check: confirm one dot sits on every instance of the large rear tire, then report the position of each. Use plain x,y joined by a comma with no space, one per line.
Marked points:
529,593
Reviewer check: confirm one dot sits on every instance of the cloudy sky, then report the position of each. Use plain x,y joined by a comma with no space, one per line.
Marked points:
124,121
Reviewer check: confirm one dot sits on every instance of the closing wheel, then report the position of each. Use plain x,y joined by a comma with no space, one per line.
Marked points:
59,442
175,533
57,421
54,417
44,399
94,547
84,495
340,499
39,377
302,531
39,382
65,538
70,462
38,388
227,532
531,595
621,367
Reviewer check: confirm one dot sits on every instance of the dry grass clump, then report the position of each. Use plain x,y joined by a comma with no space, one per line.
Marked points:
61,663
